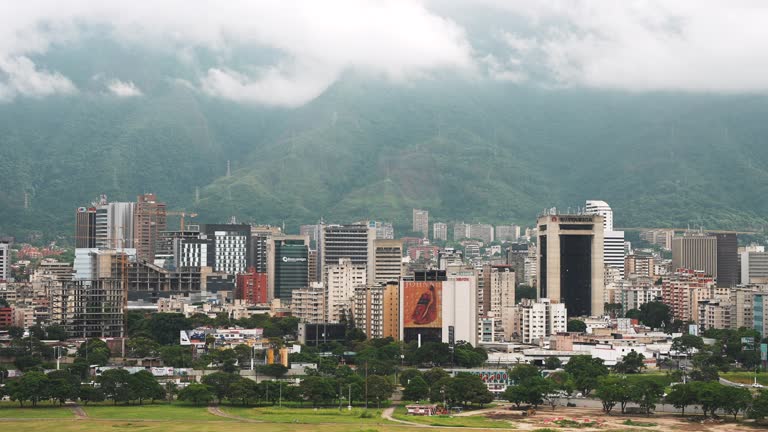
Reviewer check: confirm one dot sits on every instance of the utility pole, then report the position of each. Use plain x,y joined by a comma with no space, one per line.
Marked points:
366,384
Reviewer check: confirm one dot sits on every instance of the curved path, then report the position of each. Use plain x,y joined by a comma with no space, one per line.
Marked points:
215,410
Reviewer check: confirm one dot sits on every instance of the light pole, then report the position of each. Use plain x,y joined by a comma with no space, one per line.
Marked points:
349,407
280,400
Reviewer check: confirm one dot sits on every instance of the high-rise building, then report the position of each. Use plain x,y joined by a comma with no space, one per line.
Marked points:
354,241
376,310
570,262
695,252
311,231
308,304
5,261
540,319
760,313
439,306
498,296
482,232
460,231
252,287
149,220
114,224
660,237
440,231
684,289
638,265
613,241
388,260
341,281
754,268
231,247
288,265
507,233
312,265
384,230
85,227
727,260
421,222
90,309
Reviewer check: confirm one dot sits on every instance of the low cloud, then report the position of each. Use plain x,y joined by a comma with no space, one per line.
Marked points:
123,88
23,78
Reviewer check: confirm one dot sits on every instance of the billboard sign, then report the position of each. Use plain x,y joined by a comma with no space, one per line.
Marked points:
423,305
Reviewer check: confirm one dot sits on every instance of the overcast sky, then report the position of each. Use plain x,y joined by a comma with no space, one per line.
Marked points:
680,45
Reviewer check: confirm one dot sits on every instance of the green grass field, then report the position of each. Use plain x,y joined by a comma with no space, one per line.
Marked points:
746,377
151,412
308,415
43,410
478,421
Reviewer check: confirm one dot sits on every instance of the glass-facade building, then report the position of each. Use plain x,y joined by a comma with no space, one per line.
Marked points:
291,267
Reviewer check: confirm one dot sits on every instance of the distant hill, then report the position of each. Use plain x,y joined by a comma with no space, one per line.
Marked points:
465,150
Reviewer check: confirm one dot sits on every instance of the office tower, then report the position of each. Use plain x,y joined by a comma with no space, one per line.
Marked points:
760,313
460,231
660,237
570,262
516,255
149,220
613,241
341,281
421,222
311,231
90,308
482,232
695,252
439,306
754,267
388,260
727,260
376,309
231,247
85,227
114,224
354,241
252,287
440,231
167,240
288,265
312,265
189,252
5,261
506,233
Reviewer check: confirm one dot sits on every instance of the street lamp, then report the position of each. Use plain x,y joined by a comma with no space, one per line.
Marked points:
349,407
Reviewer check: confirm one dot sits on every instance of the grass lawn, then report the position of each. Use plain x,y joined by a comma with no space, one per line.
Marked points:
477,421
43,410
308,415
151,412
192,426
746,377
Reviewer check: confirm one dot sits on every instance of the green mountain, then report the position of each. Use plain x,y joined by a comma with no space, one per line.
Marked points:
465,149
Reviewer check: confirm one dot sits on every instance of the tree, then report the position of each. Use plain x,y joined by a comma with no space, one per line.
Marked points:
631,363
552,363
56,332
408,374
646,393
434,375
274,370
521,372
379,388
613,309
33,387
196,393
139,347
585,371
687,344
759,408
467,356
318,390
525,292
612,390
735,400
88,393
531,390
165,327
416,389
115,384
243,390
95,351
219,383
37,331
655,314
144,385
634,314
578,326
62,386
681,396
708,395
176,356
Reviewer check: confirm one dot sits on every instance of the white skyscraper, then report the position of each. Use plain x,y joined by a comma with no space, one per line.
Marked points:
613,246
341,280
5,261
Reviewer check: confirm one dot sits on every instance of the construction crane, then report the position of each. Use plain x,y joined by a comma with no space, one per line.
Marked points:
182,214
